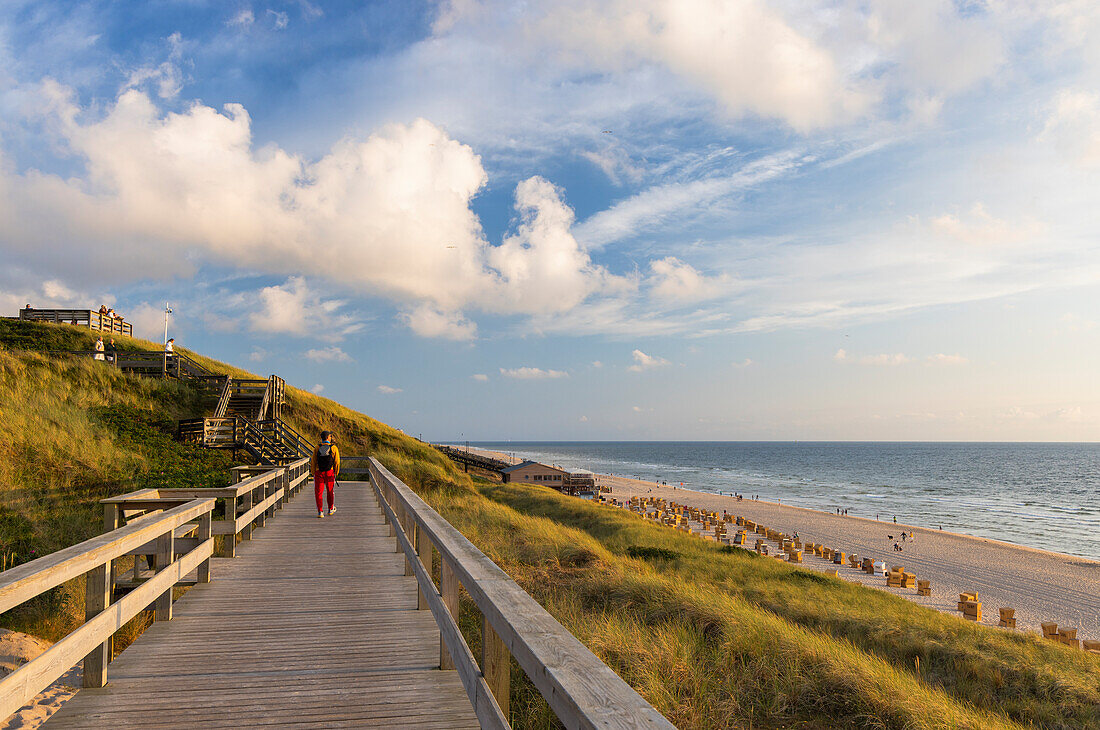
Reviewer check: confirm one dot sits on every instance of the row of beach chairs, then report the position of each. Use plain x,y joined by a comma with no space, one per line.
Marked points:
723,529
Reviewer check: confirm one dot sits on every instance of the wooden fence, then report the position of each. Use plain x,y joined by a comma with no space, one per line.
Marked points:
176,527
581,690
90,318
179,548
255,495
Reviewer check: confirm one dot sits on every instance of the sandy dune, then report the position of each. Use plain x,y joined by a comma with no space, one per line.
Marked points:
17,649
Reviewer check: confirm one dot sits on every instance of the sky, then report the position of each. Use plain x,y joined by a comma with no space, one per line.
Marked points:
581,220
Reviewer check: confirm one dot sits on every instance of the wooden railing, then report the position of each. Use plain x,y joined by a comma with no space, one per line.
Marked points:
243,505
223,397
281,431
157,535
354,465
467,459
90,318
581,690
274,398
145,362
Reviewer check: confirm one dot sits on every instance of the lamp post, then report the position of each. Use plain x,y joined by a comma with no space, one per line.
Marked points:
167,311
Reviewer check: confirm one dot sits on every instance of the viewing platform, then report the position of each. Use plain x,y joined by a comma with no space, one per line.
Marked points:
91,318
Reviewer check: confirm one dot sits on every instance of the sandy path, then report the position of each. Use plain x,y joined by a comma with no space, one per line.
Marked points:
1040,585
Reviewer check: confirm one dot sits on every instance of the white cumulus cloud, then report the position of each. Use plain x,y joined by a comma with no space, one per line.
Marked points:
677,281
480,377
387,390
161,192
427,321
643,361
294,308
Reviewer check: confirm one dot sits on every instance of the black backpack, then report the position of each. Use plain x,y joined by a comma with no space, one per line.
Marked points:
325,460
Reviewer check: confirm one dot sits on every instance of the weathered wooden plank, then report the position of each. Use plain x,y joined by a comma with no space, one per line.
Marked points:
28,680
488,711
581,690
311,624
30,579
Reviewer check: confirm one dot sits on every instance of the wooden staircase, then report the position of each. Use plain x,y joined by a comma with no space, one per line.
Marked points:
248,417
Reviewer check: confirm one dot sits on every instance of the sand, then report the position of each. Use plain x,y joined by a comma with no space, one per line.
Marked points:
1040,585
17,649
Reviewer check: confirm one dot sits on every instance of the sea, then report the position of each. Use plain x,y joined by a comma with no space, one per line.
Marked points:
1041,495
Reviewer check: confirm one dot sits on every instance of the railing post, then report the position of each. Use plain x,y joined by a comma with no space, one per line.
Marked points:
97,598
423,549
409,533
247,503
112,520
205,532
449,591
229,547
495,664
166,544
389,499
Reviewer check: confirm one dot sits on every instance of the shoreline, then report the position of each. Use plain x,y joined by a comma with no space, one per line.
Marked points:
1005,543
1042,585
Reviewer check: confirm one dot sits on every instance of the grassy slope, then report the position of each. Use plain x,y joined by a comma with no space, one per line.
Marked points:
73,431
713,639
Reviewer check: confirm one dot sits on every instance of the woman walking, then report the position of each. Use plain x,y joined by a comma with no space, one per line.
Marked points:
325,465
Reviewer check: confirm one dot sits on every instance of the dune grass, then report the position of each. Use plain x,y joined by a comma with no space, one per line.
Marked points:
73,431
713,637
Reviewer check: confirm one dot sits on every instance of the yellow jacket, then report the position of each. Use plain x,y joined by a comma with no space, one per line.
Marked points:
335,458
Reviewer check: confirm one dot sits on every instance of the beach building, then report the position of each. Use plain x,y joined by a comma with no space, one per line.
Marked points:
536,473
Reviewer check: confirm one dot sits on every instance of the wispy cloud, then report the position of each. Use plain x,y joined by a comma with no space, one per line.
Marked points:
843,356
941,359
387,390
328,354
480,377
529,373
659,205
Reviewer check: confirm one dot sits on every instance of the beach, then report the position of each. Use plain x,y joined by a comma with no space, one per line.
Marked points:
1040,585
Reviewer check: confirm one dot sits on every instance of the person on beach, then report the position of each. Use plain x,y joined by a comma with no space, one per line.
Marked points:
99,349
325,466
895,519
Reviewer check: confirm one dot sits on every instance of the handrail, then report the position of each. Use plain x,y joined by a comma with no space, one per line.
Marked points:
581,690
246,504
94,557
266,402
223,399
149,357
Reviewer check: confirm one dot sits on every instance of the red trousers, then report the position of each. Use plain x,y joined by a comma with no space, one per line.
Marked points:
323,480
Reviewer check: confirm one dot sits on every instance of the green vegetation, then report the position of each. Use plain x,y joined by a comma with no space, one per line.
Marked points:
714,637
73,431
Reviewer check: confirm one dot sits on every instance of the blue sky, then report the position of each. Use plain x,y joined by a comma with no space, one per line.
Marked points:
655,219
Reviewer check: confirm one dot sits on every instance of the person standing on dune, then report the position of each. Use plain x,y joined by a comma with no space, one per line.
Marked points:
325,465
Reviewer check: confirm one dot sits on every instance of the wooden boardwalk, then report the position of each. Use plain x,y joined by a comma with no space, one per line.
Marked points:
312,624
